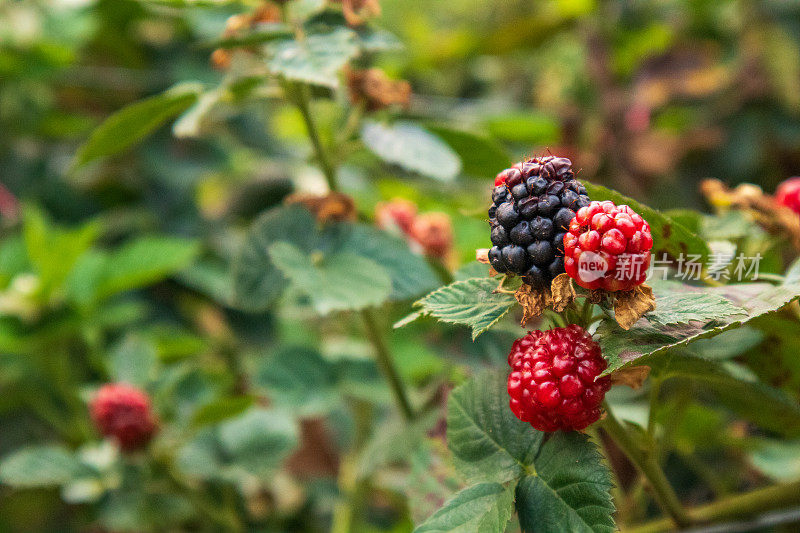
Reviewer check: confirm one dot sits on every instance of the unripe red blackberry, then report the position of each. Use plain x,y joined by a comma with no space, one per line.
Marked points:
124,413
433,232
788,194
397,214
531,210
554,380
607,247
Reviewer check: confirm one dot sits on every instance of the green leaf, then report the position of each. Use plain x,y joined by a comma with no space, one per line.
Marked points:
264,34
736,388
258,441
210,277
137,264
336,282
253,444
133,361
411,147
564,485
682,308
299,378
793,273
41,466
527,128
570,490
778,460
486,507
488,442
221,409
326,19
471,302
480,156
647,339
668,235
256,281
54,251
134,122
729,344
316,59
393,441
411,274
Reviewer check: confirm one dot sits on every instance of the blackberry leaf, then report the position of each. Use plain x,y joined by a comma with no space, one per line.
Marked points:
647,339
471,302
486,507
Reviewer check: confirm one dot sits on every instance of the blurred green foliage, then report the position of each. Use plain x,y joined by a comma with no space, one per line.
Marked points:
117,263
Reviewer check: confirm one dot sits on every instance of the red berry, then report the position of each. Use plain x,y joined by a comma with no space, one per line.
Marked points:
397,214
607,247
434,234
788,194
124,413
553,382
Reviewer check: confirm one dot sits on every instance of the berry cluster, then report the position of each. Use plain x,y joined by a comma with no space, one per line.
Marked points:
788,194
553,382
607,247
428,233
124,413
533,205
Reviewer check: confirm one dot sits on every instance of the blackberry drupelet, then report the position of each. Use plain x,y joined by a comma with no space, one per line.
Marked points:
533,204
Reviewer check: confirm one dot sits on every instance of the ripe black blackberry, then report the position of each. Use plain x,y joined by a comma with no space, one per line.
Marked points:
531,211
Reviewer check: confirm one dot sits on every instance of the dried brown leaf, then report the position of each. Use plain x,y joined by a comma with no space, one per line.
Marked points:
373,88
632,376
563,292
750,199
630,306
533,302
333,206
482,255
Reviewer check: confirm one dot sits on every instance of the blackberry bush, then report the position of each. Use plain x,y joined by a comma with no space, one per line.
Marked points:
533,204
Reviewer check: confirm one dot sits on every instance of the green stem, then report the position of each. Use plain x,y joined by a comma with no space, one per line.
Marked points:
655,390
739,506
301,100
387,365
647,464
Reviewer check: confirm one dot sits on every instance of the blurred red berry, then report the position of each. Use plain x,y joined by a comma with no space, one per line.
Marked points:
397,213
434,234
607,247
124,413
554,380
788,194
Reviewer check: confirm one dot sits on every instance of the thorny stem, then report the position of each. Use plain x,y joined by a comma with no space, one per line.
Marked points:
387,365
300,94
738,506
647,464
301,99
